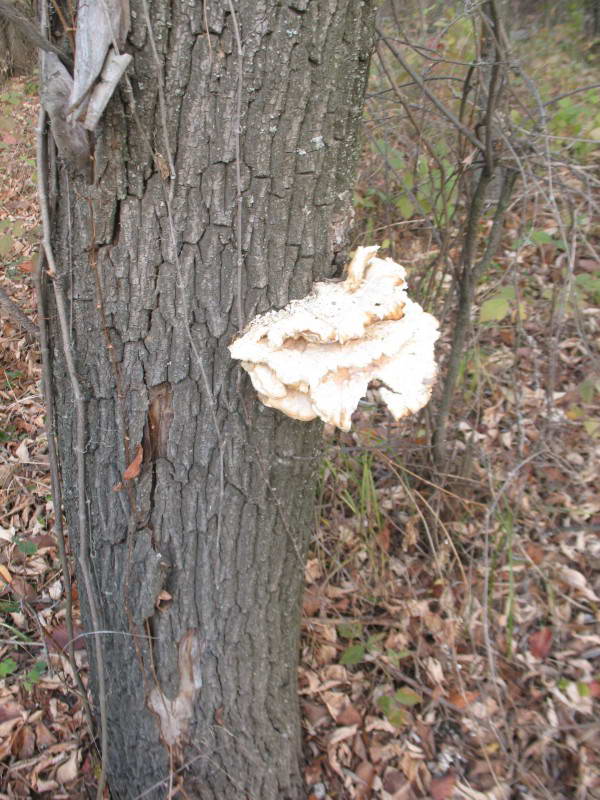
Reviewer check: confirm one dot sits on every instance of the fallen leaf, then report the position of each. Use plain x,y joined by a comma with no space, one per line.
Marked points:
315,713
22,453
133,470
26,266
311,603
540,643
442,788
594,687
535,552
348,716
395,784
23,743
10,715
5,574
68,770
57,639
340,734
462,699
383,539
366,772
577,581
43,736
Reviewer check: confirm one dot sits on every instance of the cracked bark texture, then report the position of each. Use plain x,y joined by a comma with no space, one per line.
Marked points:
237,592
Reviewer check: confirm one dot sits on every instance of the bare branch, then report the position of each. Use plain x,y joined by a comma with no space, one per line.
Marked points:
29,30
436,102
40,288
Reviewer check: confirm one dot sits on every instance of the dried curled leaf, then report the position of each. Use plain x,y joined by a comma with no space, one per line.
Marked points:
316,357
133,470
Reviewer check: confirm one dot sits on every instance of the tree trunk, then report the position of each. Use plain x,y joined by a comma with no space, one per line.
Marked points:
197,561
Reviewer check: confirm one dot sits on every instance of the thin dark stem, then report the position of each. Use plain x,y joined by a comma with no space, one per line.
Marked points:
80,419
573,91
436,102
40,289
467,283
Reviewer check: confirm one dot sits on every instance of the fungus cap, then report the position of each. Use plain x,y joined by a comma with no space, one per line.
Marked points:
317,356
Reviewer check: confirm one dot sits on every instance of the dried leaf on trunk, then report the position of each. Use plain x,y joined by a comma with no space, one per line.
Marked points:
133,470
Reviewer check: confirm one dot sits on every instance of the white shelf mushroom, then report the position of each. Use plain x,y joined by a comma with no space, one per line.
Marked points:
316,357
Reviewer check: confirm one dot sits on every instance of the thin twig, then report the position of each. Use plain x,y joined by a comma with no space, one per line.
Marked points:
79,448
436,102
573,91
238,174
40,289
161,99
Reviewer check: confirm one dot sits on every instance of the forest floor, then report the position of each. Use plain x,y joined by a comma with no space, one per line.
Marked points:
451,636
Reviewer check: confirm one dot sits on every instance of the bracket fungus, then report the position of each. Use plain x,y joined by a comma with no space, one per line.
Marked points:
317,356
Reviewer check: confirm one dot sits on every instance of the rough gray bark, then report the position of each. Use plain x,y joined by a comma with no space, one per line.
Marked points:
217,522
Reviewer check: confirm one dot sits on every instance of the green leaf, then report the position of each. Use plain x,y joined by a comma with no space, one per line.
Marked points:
384,703
592,427
589,284
6,244
391,710
407,697
26,547
397,717
7,666
350,630
494,309
9,606
405,207
353,655
541,237
395,656
34,675
587,390
374,641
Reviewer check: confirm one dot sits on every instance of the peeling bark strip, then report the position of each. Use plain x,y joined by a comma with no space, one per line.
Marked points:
303,73
175,715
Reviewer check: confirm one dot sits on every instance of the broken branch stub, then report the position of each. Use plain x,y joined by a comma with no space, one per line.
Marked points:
317,356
